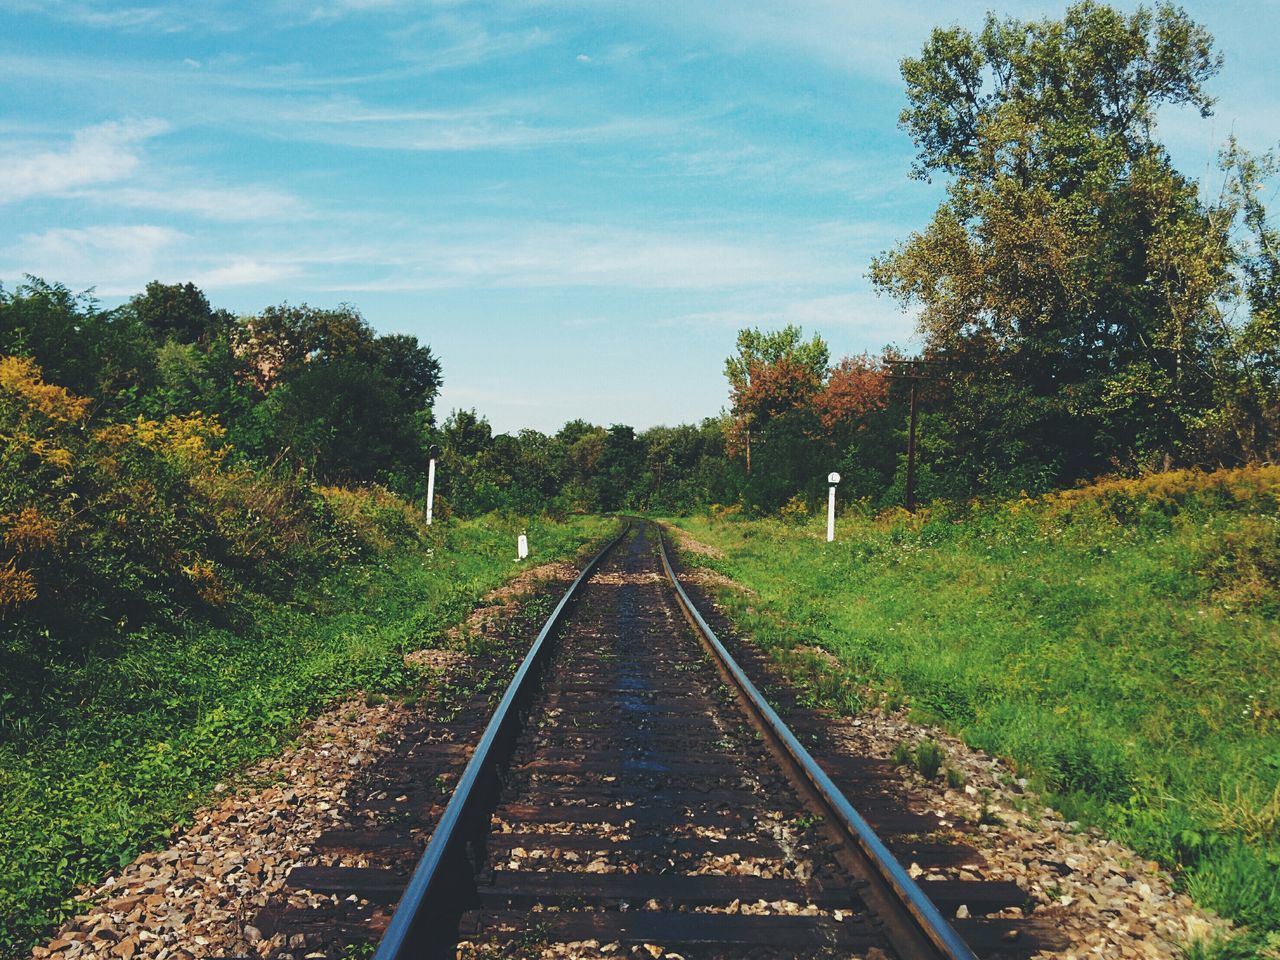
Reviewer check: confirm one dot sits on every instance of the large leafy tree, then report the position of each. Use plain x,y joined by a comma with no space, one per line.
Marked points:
339,399
795,416
412,367
178,312
1246,418
1071,271
773,379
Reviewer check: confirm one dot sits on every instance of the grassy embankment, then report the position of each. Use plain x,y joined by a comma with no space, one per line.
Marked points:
123,746
1118,643
170,610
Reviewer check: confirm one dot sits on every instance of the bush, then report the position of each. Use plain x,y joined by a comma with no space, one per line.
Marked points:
1244,565
111,527
928,758
795,511
375,517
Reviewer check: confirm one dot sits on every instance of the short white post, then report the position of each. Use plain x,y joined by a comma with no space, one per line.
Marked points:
431,482
522,547
832,478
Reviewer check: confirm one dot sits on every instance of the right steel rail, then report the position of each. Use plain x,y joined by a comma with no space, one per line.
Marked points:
916,924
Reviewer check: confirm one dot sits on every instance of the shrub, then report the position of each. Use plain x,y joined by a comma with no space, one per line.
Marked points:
795,511
1244,565
1125,498
106,528
928,758
376,517
901,753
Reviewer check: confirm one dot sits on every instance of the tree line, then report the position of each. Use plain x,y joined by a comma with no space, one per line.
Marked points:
1085,308
316,390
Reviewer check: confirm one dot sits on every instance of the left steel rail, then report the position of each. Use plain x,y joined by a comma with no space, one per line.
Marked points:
443,878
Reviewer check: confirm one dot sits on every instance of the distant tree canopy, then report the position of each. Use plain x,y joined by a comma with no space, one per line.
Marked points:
314,388
178,312
790,409
584,467
1078,280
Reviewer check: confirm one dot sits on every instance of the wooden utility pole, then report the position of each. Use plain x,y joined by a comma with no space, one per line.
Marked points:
912,373
911,449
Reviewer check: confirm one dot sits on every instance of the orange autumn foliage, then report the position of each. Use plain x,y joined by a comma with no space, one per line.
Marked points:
855,387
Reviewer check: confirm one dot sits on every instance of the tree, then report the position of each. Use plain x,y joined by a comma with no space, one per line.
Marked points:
411,367
855,388
281,338
1246,418
177,311
104,354
1071,270
773,378
758,351
465,434
344,421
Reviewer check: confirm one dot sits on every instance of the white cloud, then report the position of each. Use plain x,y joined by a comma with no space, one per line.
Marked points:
125,257
243,272
234,204
862,315
103,153
149,18
542,255
851,321
510,124
104,164
120,260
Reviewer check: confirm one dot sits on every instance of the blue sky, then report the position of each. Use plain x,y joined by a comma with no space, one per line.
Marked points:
576,204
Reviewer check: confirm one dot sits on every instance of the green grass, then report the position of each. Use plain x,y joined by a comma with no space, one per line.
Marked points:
121,749
1113,655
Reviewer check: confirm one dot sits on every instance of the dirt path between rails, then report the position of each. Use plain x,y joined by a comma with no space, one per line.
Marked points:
1105,899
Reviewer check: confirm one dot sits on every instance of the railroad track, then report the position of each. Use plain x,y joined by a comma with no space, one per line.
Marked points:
633,788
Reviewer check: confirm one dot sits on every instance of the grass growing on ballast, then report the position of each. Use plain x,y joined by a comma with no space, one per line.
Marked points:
1118,643
122,748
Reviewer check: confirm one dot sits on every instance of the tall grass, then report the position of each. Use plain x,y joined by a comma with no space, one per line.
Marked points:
1117,643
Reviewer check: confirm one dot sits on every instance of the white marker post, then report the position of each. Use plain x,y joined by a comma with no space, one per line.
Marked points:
431,481
522,547
832,478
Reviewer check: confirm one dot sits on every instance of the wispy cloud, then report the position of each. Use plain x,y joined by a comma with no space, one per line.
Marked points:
99,154
119,261
749,265
141,18
861,315
243,272
225,203
516,256
857,320
506,125
116,259
105,165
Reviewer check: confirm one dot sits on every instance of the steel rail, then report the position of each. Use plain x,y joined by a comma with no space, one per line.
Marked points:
415,931
928,920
